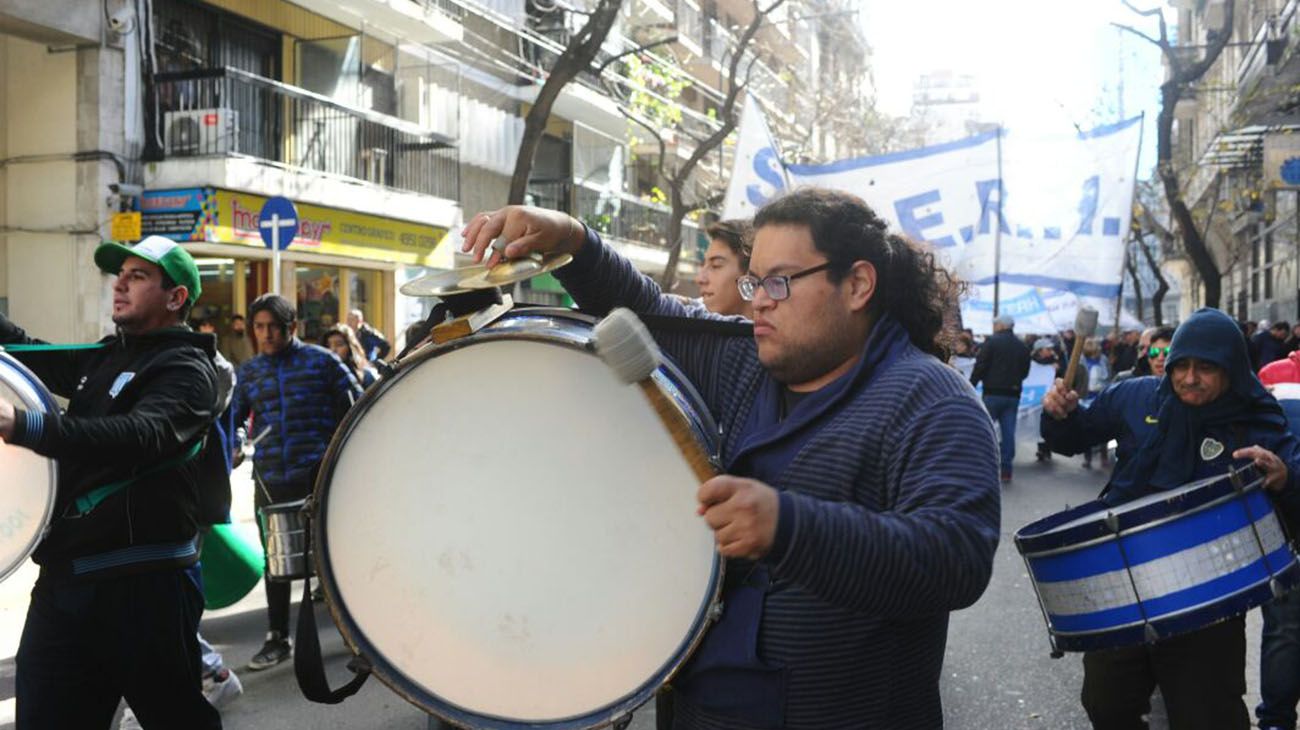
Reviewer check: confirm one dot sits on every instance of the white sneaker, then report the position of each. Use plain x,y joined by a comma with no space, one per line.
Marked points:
222,688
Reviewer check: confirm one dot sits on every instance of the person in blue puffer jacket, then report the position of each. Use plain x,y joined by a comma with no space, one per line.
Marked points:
297,394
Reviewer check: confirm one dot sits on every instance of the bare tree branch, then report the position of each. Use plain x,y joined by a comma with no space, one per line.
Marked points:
1139,34
645,47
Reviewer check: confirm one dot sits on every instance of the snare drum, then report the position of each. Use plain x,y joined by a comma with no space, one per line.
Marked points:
1163,565
507,533
29,480
285,527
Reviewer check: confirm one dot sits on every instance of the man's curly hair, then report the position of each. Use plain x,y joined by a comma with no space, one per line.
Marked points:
911,285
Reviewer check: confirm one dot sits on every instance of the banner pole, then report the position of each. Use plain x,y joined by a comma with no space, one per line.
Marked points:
997,234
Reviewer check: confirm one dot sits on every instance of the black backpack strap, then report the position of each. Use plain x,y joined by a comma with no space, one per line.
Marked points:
308,666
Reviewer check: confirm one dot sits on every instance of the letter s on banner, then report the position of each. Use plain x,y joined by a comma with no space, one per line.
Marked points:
763,167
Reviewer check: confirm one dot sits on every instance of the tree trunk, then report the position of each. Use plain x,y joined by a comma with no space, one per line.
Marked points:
669,280
1162,285
1131,266
1170,92
577,57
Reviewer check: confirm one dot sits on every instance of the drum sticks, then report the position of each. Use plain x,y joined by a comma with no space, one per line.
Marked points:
626,346
1085,326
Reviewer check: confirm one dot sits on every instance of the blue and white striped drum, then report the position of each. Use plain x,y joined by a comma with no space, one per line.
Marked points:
1159,566
28,479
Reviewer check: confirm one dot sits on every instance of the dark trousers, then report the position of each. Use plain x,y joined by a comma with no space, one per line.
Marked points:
88,644
1202,676
1279,662
277,591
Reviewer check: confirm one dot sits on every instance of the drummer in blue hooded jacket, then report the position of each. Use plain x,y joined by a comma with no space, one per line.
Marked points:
859,503
1210,413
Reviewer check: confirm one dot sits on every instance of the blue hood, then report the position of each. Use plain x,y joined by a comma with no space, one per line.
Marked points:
1167,458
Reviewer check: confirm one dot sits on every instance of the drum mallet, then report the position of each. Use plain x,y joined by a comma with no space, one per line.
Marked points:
624,343
1085,326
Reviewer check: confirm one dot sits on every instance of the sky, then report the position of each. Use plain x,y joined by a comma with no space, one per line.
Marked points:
1041,65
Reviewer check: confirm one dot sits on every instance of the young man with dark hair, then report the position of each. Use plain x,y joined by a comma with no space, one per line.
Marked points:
859,502
114,612
297,393
725,261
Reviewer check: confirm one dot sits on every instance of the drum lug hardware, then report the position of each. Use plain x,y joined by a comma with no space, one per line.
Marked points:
715,612
359,665
1112,522
621,722
1234,476
1152,636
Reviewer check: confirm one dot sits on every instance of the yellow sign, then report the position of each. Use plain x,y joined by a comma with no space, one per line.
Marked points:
125,227
233,218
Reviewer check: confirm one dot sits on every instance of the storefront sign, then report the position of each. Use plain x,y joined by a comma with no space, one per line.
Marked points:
226,216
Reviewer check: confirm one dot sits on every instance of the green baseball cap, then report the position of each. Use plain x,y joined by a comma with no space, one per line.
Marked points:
171,256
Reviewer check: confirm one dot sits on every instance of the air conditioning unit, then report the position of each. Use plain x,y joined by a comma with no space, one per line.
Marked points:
200,132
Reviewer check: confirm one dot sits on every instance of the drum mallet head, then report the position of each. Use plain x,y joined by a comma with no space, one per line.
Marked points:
626,346
1085,322
1085,326
624,343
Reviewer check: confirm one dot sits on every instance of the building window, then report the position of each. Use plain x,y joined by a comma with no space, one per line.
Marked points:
318,301
1268,266
1254,270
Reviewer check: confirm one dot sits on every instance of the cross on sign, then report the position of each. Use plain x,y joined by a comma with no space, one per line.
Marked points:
278,222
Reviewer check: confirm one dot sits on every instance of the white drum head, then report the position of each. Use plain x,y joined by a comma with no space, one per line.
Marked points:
513,530
28,479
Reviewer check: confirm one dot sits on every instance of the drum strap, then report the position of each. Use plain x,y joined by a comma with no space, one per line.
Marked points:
51,348
87,502
308,666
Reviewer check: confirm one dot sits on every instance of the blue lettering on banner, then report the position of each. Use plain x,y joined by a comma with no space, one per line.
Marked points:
915,227
1024,305
1052,233
1088,205
1110,226
985,189
763,168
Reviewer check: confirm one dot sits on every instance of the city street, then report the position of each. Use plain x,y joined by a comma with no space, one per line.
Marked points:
997,675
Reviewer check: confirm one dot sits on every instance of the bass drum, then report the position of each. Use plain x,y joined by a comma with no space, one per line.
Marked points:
29,479
507,533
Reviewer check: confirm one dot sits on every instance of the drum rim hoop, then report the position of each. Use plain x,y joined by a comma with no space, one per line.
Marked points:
359,644
39,396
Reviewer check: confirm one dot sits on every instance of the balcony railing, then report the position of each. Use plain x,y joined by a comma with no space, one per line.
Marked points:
225,111
616,215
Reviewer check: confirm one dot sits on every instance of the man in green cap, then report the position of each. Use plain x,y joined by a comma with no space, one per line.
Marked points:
114,612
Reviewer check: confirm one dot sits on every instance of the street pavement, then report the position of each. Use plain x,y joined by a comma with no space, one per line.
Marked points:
997,674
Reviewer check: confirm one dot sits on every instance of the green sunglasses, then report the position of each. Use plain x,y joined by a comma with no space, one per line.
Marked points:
1158,351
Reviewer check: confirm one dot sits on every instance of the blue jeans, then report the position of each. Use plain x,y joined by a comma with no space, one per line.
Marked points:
1279,662
1004,409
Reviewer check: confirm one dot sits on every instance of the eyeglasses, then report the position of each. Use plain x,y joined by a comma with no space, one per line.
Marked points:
777,287
1158,351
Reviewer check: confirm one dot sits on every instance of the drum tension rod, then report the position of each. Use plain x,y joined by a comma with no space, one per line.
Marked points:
1234,477
1148,631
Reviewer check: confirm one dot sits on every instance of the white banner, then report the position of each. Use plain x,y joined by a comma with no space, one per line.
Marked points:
756,153
1051,225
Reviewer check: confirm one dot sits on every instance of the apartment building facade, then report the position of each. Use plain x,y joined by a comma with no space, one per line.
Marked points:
1234,135
384,121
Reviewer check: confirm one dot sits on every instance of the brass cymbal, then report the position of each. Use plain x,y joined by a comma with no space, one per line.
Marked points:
441,283
512,271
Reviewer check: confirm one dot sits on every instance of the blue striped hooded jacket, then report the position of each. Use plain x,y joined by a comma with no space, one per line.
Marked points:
889,520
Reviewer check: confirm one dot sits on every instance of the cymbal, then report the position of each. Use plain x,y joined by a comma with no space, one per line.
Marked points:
512,271
441,283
